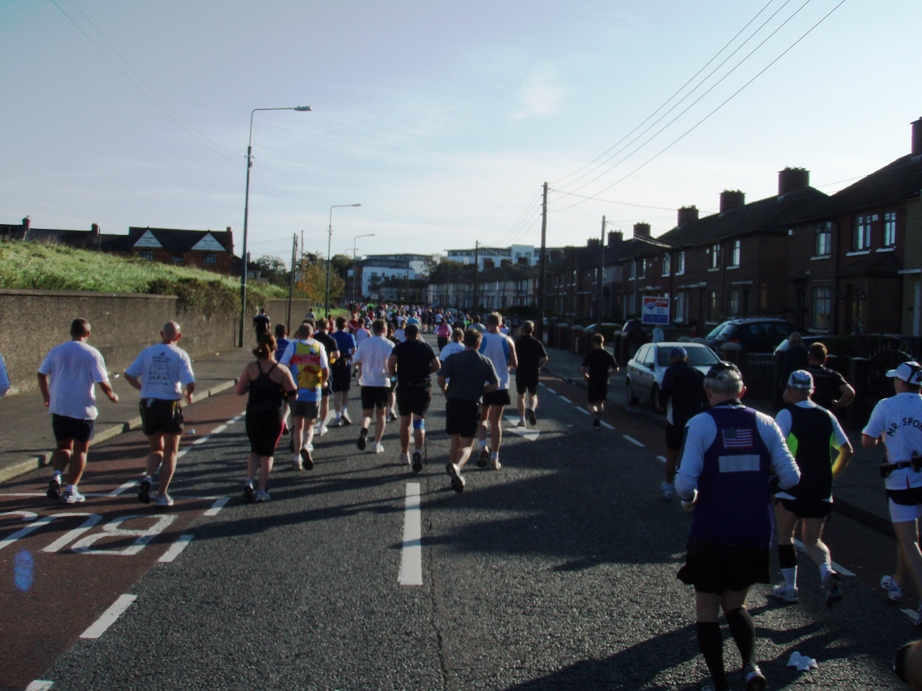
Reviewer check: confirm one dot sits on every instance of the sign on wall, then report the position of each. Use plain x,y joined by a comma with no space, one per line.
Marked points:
655,310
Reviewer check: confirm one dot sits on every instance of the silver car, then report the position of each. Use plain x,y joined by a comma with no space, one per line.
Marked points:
645,370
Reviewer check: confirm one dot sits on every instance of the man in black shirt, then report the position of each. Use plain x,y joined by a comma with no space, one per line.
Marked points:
682,395
261,323
329,345
598,365
412,362
832,391
531,357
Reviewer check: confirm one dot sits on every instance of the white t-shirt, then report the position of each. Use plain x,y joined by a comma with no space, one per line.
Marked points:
497,348
373,354
899,420
74,367
163,370
451,349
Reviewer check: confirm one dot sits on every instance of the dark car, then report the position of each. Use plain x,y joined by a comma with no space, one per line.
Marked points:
755,334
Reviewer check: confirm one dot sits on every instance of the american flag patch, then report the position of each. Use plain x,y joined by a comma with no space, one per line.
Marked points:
737,438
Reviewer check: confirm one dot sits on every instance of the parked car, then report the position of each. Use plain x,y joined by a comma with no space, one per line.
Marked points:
608,330
755,334
644,373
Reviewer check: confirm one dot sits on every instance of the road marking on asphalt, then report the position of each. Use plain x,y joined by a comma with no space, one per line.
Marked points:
40,685
124,488
529,434
109,616
911,614
217,506
176,548
838,568
606,425
582,410
411,563
551,390
565,399
633,441
661,459
220,428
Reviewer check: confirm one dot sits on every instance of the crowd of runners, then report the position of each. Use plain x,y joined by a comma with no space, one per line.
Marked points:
744,475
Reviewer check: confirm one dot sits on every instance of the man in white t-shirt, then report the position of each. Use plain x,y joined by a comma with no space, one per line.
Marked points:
74,367
159,373
500,350
371,358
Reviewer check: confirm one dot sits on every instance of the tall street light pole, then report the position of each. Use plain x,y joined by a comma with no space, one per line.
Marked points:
246,217
329,246
355,249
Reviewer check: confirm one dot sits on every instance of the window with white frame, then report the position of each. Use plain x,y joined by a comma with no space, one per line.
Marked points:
823,239
680,263
889,229
735,253
715,256
822,307
210,258
733,303
712,306
642,265
146,254
633,273
861,238
667,264
679,301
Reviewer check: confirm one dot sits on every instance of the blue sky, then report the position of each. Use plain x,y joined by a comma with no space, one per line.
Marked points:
442,119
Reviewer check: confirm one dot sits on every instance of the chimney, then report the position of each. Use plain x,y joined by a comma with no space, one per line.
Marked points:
687,214
488,264
917,137
731,199
26,224
642,229
593,242
615,237
791,179
95,229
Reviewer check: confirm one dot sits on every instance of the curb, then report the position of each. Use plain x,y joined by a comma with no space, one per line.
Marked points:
31,463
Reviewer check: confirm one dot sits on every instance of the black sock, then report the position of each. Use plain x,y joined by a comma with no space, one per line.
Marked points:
711,642
787,556
743,631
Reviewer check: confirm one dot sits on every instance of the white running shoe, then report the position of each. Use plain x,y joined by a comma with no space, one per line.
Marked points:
784,593
494,462
379,448
321,430
405,457
262,495
163,500
894,590
667,489
72,496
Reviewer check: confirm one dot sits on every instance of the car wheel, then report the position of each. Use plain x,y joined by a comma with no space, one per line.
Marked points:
631,396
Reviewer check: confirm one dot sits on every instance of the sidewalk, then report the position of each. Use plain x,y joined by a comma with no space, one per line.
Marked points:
26,441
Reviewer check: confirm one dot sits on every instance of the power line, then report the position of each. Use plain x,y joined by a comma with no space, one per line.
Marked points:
528,209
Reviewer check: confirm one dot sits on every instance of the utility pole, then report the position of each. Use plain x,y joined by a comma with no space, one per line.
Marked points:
542,268
598,306
476,271
291,277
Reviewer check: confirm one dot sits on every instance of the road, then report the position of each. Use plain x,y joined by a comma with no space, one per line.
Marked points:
556,572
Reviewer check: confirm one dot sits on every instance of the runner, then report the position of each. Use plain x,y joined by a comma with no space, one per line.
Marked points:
532,356
307,360
730,453
332,350
892,422
464,378
443,333
810,431
268,386
682,395
261,323
371,359
597,366
412,362
455,346
159,373
391,413
341,373
832,391
500,350
74,367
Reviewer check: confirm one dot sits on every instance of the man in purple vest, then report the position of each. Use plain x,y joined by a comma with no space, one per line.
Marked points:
730,454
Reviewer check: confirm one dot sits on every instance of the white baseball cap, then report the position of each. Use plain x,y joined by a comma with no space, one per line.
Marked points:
910,372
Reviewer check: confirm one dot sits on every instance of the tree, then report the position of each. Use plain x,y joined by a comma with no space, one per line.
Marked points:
445,271
313,282
273,270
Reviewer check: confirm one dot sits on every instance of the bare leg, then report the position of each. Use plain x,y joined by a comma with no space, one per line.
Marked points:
170,447
380,422
521,403
405,433
419,438
462,452
265,467
672,458
155,456
78,462
495,415
907,533
61,456
297,433
812,533
252,467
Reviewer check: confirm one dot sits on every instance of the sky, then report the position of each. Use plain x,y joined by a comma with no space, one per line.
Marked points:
442,119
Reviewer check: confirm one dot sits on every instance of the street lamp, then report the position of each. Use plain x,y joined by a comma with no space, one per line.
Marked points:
355,250
329,244
246,215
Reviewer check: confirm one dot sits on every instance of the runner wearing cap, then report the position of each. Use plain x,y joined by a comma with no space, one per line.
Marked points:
682,395
730,454
810,431
897,421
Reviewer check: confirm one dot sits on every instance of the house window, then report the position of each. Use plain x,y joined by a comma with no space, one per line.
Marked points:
715,256
680,263
210,258
146,254
712,306
733,303
824,239
861,240
633,272
735,254
680,307
822,308
177,259
643,268
667,264
890,229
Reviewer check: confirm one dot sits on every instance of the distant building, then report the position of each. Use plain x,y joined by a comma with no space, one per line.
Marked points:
376,269
489,257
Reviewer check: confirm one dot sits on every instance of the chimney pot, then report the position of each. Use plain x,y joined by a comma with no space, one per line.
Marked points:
26,223
731,199
791,179
917,137
95,228
642,229
687,214
615,236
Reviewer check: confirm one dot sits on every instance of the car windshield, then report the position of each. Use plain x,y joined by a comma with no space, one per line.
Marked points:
716,331
697,357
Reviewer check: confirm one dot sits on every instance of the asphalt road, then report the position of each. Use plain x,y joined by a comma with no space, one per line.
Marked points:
556,572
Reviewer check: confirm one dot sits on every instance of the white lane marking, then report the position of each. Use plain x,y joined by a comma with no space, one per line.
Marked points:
551,390
176,548
838,568
530,434
189,497
565,399
219,429
541,383
124,488
217,506
182,452
661,459
606,425
633,441
411,563
109,616
201,440
583,410
39,685
911,614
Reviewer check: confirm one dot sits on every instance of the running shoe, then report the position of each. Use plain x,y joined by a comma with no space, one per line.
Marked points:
784,593
144,494
296,464
248,494
392,416
306,457
338,422
417,461
666,489
755,680
362,442
72,496
520,423
379,448
894,589
457,481
833,589
346,420
262,495
484,457
54,487
321,430
405,457
532,418
163,501
494,462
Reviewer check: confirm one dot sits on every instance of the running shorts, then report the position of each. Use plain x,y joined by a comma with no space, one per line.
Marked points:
498,397
66,428
264,429
375,397
904,504
675,435
413,400
161,416
597,391
526,382
462,417
340,378
306,409
715,568
807,508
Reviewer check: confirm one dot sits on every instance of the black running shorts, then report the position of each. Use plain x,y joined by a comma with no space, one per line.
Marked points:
499,397
526,382
264,429
715,568
807,508
306,409
67,428
413,399
340,378
675,435
375,397
462,417
597,391
161,416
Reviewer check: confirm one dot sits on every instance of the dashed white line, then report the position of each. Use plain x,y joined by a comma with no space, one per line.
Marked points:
217,506
551,390
219,429
633,441
565,399
176,548
583,411
661,459
411,563
606,425
109,616
124,488
40,685
912,614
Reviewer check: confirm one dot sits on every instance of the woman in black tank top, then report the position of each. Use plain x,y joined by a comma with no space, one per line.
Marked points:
267,384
